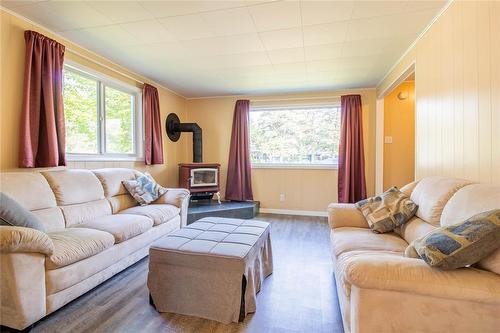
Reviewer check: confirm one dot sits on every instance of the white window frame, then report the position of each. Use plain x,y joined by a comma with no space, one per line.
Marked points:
138,120
332,166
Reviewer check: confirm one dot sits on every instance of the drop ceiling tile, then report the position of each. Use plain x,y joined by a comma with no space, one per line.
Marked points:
282,39
230,22
70,15
318,12
276,15
298,68
233,60
325,33
365,9
224,45
122,11
187,27
17,3
108,36
413,6
284,56
389,26
359,48
175,8
148,31
324,51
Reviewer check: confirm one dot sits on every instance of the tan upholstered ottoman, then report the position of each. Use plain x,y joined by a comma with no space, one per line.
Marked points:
212,268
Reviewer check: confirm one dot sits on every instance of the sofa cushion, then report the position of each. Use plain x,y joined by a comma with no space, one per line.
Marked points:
461,244
390,271
431,195
469,201
121,226
75,244
13,214
347,239
408,188
74,186
32,191
387,211
158,213
112,178
414,229
144,189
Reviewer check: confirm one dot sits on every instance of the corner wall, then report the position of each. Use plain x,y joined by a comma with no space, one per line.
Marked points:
457,65
12,53
304,189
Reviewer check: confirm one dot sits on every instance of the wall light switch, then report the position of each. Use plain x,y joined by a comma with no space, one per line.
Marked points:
282,197
388,139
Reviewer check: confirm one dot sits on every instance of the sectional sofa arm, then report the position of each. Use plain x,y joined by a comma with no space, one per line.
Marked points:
345,215
178,197
24,240
393,272
174,196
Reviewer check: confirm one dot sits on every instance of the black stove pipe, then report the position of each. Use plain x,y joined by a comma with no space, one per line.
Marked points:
197,139
174,129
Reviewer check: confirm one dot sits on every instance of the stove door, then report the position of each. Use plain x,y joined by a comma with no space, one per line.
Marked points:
203,177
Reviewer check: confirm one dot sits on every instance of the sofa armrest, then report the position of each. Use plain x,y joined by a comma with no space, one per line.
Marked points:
178,197
345,215
385,271
22,289
24,240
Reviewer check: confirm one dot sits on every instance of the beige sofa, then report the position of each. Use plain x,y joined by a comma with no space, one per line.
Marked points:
94,229
381,290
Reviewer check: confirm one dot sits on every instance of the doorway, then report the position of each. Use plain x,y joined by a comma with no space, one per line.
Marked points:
399,135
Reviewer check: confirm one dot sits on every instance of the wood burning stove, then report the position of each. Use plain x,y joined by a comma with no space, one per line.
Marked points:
202,179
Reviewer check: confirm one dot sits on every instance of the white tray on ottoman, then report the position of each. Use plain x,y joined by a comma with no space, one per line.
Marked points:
212,268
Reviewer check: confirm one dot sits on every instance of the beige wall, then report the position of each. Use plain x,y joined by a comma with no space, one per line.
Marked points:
399,123
304,189
458,94
12,71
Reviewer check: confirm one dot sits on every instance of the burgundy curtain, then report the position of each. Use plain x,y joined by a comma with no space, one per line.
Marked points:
351,182
42,132
153,145
239,171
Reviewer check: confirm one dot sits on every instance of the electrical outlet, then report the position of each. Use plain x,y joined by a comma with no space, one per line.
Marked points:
282,197
388,139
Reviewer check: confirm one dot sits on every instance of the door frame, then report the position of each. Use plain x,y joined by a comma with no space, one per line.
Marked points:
379,126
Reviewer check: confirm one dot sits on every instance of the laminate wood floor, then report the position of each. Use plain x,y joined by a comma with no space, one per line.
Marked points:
300,295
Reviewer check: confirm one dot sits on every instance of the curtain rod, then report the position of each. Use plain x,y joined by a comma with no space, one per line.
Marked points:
103,65
293,99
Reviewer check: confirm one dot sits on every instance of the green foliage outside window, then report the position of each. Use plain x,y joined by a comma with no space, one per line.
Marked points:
81,109
295,136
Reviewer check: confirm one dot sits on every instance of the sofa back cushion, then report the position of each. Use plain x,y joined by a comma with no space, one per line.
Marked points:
114,191
31,190
415,228
79,194
469,201
431,195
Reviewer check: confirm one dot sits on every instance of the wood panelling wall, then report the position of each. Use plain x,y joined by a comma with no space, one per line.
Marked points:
458,94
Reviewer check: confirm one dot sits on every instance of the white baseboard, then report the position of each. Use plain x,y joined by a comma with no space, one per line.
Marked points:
293,212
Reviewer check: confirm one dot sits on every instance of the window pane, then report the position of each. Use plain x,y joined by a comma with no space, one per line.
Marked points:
119,121
80,112
295,136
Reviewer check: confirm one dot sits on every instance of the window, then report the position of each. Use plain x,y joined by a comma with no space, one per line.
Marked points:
103,117
295,136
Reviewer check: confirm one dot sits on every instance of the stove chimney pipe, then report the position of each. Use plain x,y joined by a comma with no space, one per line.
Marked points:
174,129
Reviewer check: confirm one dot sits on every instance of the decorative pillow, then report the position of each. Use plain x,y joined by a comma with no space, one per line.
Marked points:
461,244
13,214
144,189
387,211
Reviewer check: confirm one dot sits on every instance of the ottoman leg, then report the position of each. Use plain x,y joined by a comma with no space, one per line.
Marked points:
242,304
151,302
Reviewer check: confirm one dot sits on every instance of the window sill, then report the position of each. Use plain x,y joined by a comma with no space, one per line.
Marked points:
296,166
93,158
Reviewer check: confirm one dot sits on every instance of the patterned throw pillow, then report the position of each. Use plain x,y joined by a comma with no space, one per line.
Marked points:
144,189
461,244
387,211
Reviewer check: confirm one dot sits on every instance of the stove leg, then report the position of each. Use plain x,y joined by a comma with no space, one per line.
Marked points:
218,197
